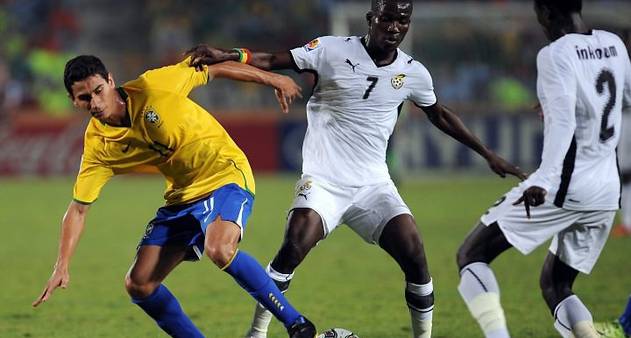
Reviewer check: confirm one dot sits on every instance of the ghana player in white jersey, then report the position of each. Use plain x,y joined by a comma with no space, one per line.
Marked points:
583,85
361,84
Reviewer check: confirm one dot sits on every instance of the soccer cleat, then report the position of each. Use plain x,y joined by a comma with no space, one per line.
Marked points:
610,329
302,328
621,230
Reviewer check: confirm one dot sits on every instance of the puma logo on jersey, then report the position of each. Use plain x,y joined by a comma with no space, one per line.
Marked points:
352,65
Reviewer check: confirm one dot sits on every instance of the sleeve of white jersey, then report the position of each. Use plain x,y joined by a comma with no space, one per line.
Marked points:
422,93
556,79
310,55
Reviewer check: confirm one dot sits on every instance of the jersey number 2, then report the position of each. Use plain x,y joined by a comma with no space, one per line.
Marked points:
373,82
606,77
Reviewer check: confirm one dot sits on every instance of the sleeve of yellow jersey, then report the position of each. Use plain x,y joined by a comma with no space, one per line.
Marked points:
179,78
90,180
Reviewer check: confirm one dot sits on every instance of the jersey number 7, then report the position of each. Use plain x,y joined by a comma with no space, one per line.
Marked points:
373,82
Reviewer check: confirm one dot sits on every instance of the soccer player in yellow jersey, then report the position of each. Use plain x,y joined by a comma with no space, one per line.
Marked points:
151,124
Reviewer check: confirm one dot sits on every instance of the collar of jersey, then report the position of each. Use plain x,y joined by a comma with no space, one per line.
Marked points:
396,54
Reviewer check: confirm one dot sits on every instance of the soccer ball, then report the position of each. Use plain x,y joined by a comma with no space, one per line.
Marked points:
337,333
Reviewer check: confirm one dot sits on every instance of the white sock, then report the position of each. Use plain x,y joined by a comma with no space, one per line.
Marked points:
262,317
625,201
573,320
480,291
260,322
421,317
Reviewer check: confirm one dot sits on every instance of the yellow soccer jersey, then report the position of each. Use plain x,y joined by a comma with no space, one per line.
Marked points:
170,134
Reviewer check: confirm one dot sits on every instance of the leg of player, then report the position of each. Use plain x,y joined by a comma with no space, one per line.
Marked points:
571,317
401,239
624,229
222,238
478,286
143,283
304,230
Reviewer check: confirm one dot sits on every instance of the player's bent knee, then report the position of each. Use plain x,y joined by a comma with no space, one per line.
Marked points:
220,254
552,292
138,289
463,256
474,248
414,261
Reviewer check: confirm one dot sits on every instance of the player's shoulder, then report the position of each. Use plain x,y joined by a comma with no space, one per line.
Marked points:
544,53
606,35
329,41
138,84
558,51
613,42
93,129
412,65
94,138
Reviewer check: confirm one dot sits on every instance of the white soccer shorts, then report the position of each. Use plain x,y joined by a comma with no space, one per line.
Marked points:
366,209
578,237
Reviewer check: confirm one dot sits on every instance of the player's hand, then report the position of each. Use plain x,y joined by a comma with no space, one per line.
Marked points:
502,167
202,55
59,278
533,196
286,91
539,110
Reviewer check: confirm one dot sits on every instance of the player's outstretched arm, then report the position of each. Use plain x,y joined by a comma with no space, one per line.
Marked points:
286,89
448,122
71,229
206,55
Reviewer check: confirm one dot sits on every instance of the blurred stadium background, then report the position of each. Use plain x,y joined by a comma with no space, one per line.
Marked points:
481,55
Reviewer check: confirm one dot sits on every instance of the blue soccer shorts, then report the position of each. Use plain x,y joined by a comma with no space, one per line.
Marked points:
186,224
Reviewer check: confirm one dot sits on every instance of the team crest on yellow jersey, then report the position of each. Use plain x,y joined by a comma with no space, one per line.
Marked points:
152,117
313,44
397,81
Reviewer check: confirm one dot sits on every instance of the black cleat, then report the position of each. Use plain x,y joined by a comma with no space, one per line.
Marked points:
302,328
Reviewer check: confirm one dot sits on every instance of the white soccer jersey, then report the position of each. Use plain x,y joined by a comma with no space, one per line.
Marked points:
583,84
354,108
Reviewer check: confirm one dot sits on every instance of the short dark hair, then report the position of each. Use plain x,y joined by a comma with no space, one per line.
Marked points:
563,7
376,5
82,67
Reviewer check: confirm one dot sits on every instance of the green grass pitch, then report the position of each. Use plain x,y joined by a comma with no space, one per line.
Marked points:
342,283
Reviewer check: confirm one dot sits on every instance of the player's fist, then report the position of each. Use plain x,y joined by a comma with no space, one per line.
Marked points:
202,55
